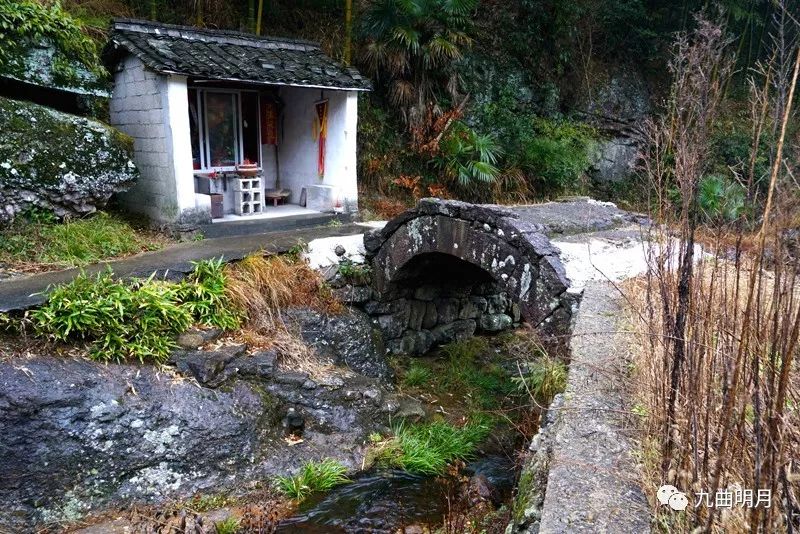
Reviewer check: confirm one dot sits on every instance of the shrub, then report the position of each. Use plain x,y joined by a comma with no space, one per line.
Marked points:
355,273
229,525
428,448
122,320
203,294
313,477
467,157
720,199
546,377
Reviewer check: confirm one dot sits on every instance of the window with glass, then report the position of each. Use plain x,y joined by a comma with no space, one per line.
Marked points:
224,128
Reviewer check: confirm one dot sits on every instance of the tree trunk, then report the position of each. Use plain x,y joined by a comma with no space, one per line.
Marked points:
258,16
198,20
153,10
348,31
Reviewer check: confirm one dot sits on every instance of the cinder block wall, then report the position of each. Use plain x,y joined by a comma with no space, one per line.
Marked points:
139,108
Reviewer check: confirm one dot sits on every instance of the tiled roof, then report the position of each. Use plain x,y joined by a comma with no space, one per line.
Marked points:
228,55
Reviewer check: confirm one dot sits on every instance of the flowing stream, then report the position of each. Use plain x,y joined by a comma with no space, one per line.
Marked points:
386,501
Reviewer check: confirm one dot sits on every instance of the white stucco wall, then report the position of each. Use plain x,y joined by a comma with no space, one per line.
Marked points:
152,109
298,149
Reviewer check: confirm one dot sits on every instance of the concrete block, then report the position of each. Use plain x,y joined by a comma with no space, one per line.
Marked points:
321,197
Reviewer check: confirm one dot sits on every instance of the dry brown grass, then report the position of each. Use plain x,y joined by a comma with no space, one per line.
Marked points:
260,288
757,454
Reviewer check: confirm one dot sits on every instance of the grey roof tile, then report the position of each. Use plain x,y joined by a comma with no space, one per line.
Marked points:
228,55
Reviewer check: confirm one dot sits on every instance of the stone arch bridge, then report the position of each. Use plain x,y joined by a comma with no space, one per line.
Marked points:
446,269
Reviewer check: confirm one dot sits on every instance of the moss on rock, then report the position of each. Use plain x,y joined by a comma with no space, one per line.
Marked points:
59,162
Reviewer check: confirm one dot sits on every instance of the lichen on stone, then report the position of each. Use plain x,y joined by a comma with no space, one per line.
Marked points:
58,162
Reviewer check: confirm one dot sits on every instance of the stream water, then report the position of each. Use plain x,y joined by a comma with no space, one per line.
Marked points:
387,501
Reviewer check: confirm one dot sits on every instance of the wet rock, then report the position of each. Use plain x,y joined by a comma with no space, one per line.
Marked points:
350,294
339,250
481,490
390,405
208,367
260,364
456,331
291,378
190,340
391,325
293,422
412,343
79,435
447,310
349,339
410,409
374,395
416,313
330,382
431,316
497,303
426,292
495,322
309,384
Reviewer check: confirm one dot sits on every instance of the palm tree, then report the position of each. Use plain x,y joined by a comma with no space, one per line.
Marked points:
411,46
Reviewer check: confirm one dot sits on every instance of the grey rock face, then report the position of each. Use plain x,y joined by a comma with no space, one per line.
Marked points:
349,339
80,435
58,162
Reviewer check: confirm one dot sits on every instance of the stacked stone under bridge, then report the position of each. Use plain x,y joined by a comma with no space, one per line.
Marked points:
447,269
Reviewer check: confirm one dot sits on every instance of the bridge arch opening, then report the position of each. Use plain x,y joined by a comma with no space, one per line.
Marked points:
446,270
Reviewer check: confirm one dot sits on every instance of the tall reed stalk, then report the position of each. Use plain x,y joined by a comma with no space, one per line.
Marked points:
720,315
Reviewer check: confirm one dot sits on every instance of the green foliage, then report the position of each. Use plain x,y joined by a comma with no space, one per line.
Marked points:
428,448
546,377
467,156
720,199
356,273
416,375
229,525
203,295
412,45
36,237
558,156
137,319
27,23
553,154
313,477
122,320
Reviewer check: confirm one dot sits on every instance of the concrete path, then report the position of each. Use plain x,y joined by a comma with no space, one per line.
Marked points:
593,483
171,263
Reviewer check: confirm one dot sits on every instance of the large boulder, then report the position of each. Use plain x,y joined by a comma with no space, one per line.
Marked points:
58,162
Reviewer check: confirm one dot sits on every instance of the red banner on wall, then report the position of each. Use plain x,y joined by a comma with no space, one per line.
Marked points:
269,122
321,133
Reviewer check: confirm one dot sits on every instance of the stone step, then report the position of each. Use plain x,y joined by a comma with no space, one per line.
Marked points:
276,224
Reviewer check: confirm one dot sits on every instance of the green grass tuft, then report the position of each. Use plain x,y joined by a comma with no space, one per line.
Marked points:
313,477
429,447
546,378
134,319
229,525
72,243
417,375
